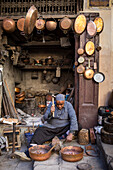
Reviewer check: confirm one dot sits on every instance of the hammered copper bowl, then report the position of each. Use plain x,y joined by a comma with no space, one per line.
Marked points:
40,152
72,153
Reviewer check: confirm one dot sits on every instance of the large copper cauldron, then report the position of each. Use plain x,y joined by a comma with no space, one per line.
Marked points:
72,153
40,152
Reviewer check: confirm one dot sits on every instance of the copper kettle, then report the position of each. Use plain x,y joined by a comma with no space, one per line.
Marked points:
9,25
51,25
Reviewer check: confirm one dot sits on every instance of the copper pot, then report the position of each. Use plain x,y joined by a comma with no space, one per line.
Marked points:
17,89
51,25
21,98
17,101
40,152
72,153
21,94
41,106
9,25
40,24
20,24
65,24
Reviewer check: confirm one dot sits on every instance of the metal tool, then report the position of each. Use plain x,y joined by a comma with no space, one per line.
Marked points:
53,104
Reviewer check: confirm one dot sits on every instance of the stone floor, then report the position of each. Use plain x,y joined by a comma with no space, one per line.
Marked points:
107,152
97,163
54,162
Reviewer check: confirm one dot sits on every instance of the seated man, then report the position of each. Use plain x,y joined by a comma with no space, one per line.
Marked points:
64,119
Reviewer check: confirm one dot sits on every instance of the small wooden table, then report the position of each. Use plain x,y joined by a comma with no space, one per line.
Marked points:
8,134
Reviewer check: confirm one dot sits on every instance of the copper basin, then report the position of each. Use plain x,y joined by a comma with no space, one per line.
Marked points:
72,153
40,152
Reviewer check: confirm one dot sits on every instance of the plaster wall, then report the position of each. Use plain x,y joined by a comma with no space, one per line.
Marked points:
106,54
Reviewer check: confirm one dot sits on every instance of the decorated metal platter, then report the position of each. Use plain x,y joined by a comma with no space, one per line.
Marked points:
99,24
89,48
80,24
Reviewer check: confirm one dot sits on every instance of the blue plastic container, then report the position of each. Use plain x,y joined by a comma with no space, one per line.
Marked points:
28,137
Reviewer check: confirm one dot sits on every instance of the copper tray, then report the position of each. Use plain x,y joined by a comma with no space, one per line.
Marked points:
72,153
30,20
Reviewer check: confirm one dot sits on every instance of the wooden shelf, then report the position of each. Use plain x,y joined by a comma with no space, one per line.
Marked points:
28,67
35,43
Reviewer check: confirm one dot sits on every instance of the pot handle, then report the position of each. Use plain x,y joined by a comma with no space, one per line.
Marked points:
40,17
51,19
52,148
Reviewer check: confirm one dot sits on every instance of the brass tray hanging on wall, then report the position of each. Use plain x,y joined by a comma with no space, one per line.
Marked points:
30,20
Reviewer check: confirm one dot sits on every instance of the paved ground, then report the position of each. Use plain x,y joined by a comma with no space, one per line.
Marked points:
54,162
107,152
6,163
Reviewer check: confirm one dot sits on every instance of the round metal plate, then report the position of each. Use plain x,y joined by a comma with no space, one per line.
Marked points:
81,60
80,24
30,20
89,47
99,77
84,166
99,24
91,28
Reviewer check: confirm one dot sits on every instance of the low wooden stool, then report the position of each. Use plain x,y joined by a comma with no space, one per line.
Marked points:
8,134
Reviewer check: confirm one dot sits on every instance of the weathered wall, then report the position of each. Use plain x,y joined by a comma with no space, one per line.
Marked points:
106,54
22,78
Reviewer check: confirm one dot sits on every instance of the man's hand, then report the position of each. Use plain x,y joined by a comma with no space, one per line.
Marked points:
69,137
52,108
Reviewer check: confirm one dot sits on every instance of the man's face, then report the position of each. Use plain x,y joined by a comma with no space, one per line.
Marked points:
60,104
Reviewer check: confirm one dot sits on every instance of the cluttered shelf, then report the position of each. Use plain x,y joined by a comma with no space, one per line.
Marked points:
35,67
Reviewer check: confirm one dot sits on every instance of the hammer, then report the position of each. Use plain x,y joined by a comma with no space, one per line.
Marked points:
53,103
